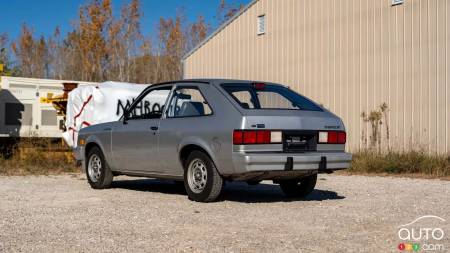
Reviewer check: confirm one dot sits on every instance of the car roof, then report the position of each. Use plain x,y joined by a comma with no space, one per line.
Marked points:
212,81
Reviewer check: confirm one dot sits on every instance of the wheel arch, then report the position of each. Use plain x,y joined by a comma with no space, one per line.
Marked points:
93,141
89,147
187,149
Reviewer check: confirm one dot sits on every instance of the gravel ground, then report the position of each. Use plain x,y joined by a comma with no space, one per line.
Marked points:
343,214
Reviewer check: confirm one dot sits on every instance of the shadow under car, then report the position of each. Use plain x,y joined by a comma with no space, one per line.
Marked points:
233,191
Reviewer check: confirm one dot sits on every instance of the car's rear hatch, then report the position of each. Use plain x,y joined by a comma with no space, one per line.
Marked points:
299,130
277,119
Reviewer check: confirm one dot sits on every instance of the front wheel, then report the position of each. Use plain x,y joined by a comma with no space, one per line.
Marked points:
201,179
98,173
299,188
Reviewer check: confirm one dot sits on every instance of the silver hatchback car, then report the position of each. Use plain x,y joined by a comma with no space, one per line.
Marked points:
205,132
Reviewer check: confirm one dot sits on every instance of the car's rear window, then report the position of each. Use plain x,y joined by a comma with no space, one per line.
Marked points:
264,96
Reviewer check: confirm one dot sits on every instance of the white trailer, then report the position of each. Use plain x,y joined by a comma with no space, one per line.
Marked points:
22,114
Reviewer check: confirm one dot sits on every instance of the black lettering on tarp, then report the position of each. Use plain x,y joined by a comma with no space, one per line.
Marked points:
138,109
156,108
147,107
121,108
141,108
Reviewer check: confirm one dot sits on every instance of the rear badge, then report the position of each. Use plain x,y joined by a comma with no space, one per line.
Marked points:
259,126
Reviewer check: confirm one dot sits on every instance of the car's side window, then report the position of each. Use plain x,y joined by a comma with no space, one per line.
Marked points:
151,106
188,102
269,99
244,98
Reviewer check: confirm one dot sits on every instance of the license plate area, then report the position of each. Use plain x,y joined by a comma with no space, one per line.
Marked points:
299,141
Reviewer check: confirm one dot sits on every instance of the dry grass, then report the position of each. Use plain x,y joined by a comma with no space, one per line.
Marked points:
37,157
413,163
43,157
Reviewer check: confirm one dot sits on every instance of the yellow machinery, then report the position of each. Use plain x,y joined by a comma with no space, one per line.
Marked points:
60,102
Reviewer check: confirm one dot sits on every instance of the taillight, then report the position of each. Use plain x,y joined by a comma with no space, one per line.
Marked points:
342,137
332,137
237,137
262,137
249,137
245,137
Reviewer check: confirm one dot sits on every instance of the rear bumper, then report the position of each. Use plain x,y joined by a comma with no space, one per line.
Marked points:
321,161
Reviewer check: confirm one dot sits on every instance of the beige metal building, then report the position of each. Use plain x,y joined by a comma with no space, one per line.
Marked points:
349,55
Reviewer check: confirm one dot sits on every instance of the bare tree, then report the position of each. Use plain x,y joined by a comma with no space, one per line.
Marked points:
4,55
32,54
197,32
23,49
123,41
103,46
225,11
95,20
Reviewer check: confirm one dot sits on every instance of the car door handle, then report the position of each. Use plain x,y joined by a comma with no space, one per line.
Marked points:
107,129
154,128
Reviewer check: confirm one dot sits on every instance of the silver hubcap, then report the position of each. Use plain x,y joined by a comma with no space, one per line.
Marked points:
197,175
94,168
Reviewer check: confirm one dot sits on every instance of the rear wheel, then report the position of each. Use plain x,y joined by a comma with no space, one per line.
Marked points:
299,188
98,173
201,179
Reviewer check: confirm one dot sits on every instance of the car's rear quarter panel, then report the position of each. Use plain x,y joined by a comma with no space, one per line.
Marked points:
212,133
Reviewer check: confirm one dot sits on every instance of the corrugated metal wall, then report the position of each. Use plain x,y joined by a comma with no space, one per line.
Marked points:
351,56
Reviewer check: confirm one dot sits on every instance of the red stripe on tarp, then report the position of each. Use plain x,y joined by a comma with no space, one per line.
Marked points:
82,108
73,133
78,115
74,130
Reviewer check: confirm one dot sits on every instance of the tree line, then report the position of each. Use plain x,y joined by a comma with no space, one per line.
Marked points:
103,46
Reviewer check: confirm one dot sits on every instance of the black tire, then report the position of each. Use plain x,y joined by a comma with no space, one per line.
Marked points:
299,188
105,176
214,182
